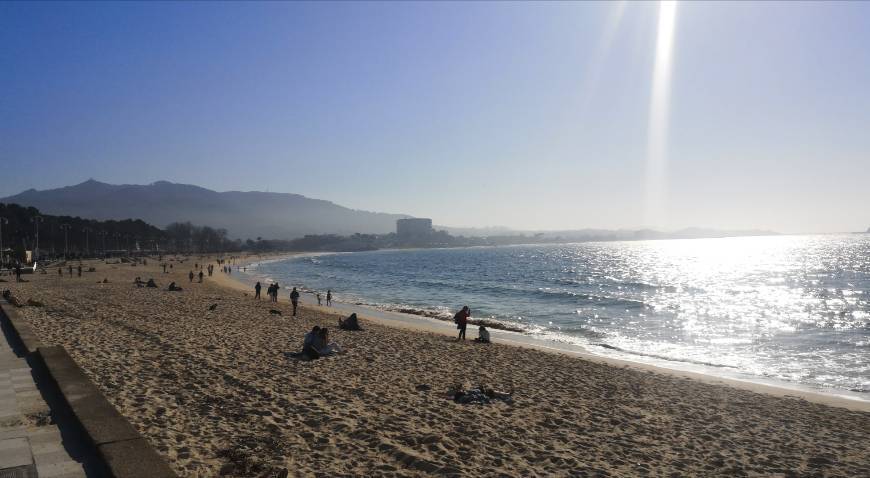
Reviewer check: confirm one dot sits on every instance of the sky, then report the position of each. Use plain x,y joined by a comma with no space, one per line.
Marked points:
525,115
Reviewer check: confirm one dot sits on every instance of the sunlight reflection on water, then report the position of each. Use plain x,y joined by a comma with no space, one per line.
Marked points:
789,307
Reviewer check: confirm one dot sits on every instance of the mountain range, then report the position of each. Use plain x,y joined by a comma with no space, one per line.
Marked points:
243,214
248,215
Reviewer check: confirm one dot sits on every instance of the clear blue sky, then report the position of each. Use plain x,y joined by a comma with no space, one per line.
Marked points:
517,114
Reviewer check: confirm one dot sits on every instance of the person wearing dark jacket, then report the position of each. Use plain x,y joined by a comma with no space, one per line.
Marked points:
461,320
294,299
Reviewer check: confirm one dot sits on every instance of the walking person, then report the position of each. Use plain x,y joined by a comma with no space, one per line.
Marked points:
190,276
328,297
461,320
200,276
17,272
318,299
294,299
257,288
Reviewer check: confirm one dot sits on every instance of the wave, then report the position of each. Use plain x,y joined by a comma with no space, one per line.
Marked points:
599,300
663,357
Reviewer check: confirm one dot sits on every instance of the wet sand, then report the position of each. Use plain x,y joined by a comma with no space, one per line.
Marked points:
203,374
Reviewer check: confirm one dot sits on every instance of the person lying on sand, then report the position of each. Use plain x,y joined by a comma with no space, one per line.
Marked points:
174,287
482,335
350,323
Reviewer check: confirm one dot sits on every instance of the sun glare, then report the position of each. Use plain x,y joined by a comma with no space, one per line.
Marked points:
656,173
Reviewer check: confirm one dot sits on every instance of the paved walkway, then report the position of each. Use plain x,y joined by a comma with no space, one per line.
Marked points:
31,444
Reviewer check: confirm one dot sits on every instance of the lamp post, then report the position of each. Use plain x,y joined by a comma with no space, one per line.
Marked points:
36,220
86,230
3,220
65,228
103,233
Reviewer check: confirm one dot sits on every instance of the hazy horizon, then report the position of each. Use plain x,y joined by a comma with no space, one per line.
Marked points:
551,116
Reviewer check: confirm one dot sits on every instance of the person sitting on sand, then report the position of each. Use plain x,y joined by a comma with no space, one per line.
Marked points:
482,335
174,287
461,320
138,282
325,346
350,323
311,343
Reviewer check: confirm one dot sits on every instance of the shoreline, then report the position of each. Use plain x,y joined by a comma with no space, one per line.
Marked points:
208,376
421,323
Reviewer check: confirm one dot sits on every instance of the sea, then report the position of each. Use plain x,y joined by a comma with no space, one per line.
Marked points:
789,309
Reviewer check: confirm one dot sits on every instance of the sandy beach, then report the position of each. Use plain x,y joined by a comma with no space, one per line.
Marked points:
204,375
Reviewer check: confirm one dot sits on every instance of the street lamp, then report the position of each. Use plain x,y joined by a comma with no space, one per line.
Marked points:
87,244
103,233
3,220
36,220
65,228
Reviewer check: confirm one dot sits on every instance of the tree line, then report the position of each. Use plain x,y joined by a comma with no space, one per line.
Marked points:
52,237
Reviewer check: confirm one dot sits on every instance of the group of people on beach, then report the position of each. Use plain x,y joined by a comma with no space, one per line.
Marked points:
70,269
461,321
316,344
328,298
272,292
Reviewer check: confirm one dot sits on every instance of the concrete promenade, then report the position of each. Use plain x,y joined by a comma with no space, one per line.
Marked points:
35,440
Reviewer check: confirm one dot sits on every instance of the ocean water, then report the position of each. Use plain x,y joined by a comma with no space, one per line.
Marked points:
786,308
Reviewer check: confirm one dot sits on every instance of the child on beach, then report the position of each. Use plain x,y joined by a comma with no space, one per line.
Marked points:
482,335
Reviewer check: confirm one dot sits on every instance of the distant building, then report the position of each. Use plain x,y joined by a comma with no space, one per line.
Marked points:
413,229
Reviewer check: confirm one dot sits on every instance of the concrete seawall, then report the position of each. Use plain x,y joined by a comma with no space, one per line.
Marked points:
123,451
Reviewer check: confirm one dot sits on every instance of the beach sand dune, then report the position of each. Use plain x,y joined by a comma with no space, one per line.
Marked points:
214,391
